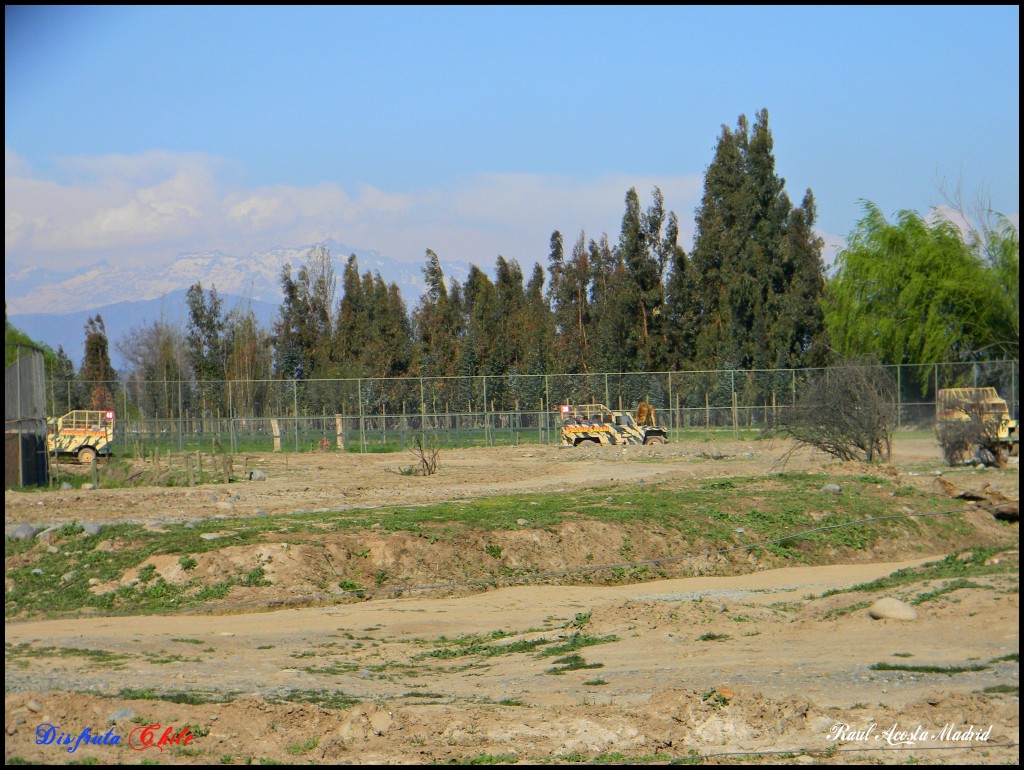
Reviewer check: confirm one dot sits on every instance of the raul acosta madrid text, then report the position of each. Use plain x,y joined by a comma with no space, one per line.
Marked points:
897,736
143,737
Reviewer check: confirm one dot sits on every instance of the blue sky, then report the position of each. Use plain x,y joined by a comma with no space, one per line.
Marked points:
133,134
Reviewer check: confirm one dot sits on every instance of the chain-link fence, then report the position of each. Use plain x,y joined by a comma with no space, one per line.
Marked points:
377,415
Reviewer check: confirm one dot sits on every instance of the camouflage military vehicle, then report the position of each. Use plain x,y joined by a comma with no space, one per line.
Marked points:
598,424
976,420
83,433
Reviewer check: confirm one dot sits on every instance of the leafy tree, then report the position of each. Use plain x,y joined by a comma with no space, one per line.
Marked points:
915,291
96,373
681,303
205,345
304,329
569,299
64,387
645,256
436,321
614,346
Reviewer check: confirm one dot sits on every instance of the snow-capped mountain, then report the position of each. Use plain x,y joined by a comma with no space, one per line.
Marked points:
257,277
52,307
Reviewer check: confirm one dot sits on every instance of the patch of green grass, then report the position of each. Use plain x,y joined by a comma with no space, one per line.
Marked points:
709,637
297,749
949,670
190,698
949,568
1003,689
577,642
948,588
327,699
255,577
486,759
595,682
714,699
571,663
147,573
189,641
840,611
187,563
581,619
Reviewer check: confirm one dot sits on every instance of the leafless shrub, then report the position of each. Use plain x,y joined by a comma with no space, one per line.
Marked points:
427,456
848,412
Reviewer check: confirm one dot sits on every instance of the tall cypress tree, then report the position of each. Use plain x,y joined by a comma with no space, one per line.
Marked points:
681,306
436,323
569,298
757,261
97,373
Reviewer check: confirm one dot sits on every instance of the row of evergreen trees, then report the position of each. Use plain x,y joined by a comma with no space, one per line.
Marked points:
747,297
751,295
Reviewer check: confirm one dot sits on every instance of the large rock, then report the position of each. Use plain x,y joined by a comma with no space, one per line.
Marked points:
22,532
892,609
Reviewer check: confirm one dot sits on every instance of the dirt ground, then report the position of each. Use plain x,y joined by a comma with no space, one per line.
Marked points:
752,666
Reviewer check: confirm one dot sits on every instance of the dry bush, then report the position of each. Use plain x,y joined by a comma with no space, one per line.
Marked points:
427,456
848,412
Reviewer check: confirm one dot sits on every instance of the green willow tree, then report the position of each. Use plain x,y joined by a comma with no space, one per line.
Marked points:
914,291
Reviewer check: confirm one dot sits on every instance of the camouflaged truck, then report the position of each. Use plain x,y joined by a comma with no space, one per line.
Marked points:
83,433
995,432
598,424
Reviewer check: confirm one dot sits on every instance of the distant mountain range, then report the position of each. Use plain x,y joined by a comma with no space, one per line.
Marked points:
53,307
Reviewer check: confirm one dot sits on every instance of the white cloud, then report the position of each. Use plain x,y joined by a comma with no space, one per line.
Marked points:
152,206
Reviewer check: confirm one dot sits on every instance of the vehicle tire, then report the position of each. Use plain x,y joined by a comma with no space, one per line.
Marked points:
655,440
86,455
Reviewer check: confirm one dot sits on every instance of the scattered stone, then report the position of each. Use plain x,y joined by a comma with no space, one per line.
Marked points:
88,486
37,571
34,705
47,534
522,522
122,715
67,577
226,506
257,475
892,609
65,485
94,581
211,535
23,532
832,489
89,528
52,549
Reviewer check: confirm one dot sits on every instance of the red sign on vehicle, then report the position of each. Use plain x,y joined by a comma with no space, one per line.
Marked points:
565,409
108,415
